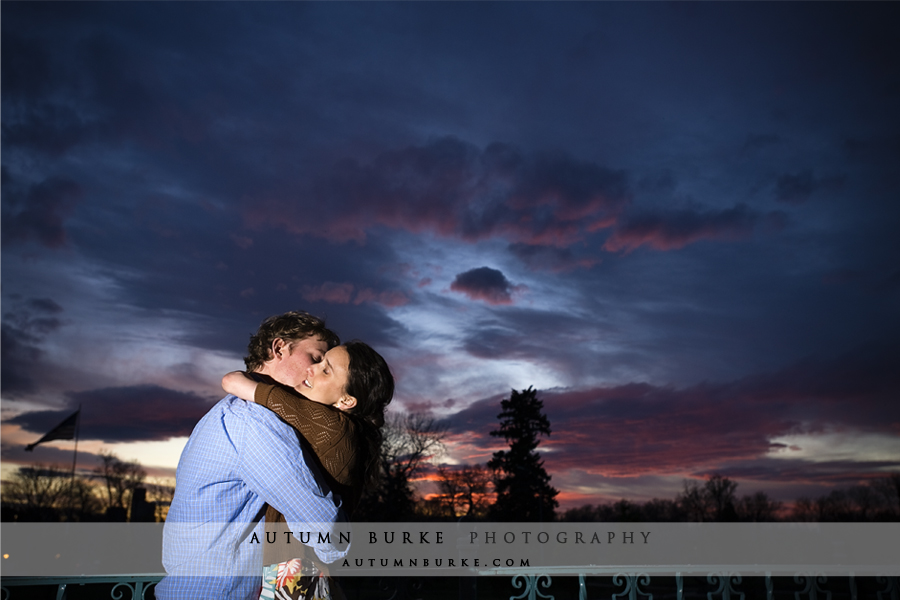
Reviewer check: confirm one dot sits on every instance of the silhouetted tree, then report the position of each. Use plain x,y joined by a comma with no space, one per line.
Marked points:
410,440
37,492
523,486
693,502
119,478
758,508
585,513
80,501
867,502
720,491
836,506
627,511
804,510
652,511
714,501
465,490
889,488
874,501
657,510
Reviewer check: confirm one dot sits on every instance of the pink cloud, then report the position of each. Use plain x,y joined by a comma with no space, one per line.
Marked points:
335,293
642,429
677,229
388,299
345,293
455,190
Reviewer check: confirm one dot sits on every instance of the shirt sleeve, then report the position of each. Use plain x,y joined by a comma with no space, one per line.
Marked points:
274,466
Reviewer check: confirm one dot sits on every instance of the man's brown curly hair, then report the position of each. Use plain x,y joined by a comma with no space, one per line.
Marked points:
291,326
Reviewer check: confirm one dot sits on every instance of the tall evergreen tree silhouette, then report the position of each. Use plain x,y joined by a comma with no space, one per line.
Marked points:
523,486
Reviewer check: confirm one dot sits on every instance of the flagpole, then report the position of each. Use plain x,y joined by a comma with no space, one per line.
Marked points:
75,458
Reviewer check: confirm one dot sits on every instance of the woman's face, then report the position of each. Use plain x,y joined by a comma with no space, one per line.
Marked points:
326,381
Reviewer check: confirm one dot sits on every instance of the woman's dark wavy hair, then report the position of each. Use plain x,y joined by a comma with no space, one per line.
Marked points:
290,326
370,381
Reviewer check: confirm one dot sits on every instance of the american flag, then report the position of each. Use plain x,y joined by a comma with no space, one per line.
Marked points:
63,431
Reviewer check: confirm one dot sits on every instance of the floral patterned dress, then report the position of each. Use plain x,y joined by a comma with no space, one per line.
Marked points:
295,579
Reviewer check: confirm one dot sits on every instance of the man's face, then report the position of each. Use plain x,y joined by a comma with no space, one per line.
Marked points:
293,358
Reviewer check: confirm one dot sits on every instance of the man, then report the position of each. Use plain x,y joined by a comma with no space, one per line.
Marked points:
239,458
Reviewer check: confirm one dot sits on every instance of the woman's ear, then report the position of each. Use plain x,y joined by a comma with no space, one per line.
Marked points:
346,402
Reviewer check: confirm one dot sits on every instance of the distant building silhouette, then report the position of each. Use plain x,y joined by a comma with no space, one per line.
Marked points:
141,510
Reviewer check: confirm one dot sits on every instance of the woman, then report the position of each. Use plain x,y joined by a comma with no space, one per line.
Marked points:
339,410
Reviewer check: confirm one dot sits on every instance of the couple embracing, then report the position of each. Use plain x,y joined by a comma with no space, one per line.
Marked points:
295,442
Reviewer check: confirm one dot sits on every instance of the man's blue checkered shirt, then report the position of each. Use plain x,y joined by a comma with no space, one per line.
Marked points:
239,458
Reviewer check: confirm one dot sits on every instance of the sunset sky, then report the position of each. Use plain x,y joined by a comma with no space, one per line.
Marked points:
678,222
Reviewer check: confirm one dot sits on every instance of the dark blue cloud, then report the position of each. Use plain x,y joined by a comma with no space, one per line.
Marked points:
124,414
796,188
547,258
26,324
45,305
484,283
500,337
879,148
758,142
18,362
40,211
